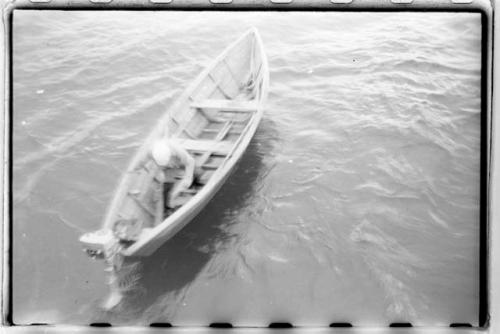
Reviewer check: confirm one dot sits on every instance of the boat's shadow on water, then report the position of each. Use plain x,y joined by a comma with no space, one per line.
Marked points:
178,262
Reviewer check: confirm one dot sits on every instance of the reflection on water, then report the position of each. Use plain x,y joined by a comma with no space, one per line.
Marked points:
157,284
357,200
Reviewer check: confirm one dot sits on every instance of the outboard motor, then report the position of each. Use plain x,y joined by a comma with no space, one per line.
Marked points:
97,244
104,245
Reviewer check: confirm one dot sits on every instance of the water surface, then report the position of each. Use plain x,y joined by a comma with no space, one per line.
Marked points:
357,201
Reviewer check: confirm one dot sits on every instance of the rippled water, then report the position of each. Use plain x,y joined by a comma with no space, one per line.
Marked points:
357,201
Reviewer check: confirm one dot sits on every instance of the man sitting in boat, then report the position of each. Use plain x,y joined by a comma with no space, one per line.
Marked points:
167,153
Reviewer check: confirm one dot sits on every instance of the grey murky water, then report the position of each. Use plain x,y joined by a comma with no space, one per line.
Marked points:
357,201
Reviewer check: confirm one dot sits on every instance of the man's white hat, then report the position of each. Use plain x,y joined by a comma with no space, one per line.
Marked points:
161,153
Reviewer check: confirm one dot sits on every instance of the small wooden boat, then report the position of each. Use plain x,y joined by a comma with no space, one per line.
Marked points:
214,120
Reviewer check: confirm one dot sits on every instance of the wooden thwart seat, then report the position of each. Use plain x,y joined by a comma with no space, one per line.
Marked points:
209,167
200,145
226,105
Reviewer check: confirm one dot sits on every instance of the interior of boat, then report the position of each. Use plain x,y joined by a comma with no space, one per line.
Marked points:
207,123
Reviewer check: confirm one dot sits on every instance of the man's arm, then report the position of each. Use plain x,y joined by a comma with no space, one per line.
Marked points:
188,162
